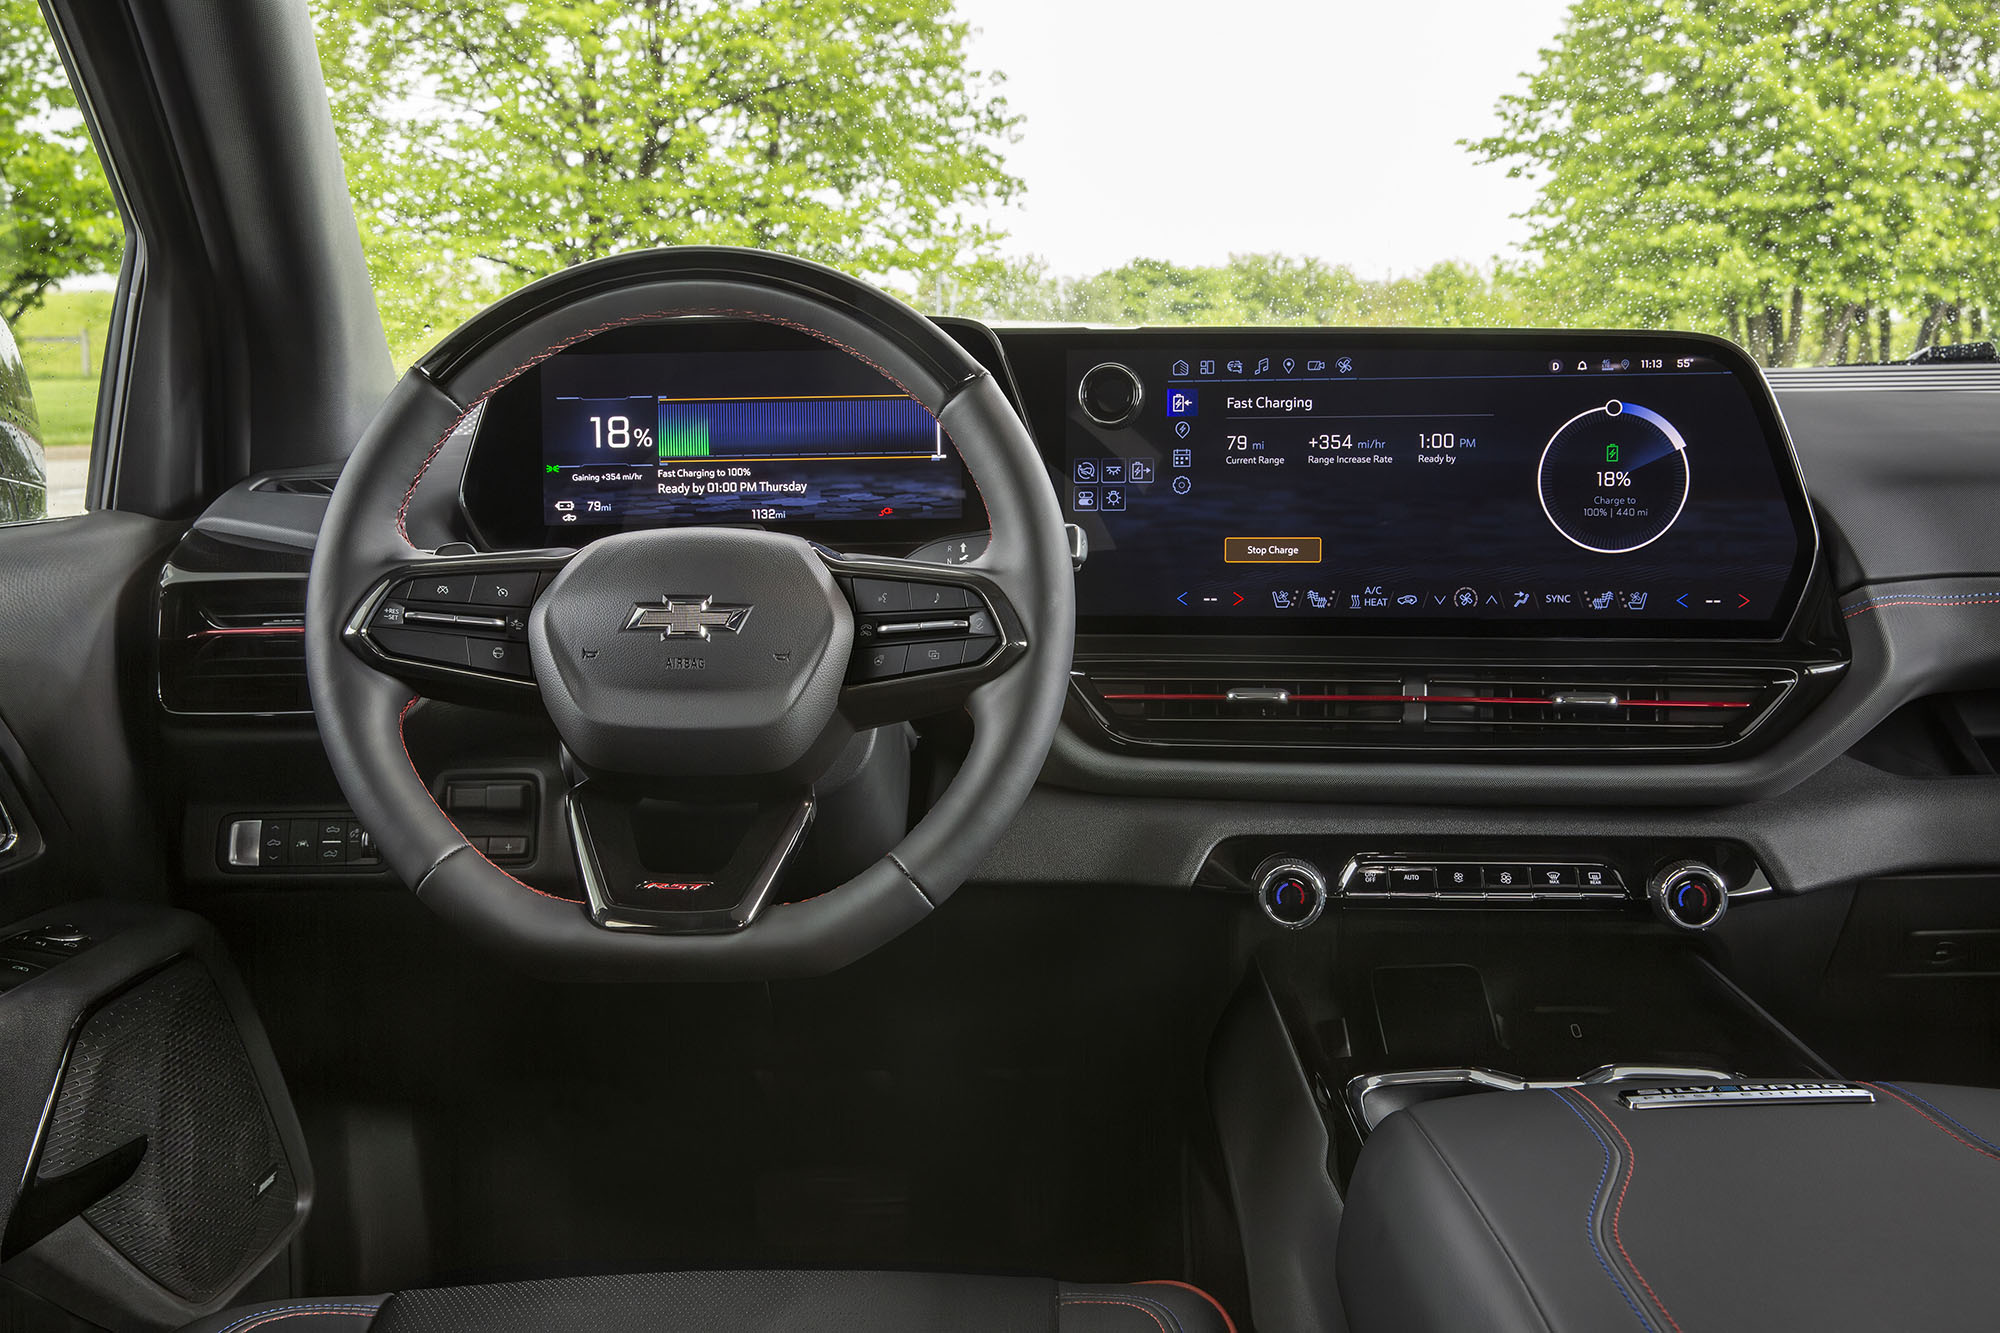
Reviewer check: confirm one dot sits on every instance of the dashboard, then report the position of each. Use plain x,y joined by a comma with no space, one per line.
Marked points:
1799,719
1295,482
1430,543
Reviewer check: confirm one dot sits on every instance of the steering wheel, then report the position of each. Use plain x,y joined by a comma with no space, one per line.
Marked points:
770,620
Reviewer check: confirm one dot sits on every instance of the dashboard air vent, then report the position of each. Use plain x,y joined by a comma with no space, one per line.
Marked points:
1436,709
1599,708
1314,708
233,646
299,485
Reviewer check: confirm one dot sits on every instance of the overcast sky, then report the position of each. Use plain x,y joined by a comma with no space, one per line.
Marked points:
1188,129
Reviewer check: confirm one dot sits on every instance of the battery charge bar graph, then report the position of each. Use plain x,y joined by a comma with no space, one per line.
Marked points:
683,435
873,427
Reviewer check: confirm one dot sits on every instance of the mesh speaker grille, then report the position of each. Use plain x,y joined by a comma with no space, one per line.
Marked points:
214,1189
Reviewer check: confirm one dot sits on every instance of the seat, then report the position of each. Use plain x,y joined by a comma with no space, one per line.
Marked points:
1557,1210
751,1302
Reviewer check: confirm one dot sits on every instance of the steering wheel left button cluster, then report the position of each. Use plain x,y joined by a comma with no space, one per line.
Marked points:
473,621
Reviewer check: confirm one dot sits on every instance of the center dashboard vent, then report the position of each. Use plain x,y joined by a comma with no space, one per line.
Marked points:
1438,709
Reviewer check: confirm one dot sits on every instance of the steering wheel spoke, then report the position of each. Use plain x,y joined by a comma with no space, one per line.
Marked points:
456,626
654,868
925,636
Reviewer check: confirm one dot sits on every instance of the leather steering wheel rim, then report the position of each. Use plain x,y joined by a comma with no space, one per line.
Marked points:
365,534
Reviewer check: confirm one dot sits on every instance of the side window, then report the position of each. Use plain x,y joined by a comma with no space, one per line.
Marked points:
61,239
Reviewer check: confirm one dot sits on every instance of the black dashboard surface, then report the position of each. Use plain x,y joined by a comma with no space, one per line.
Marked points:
1906,596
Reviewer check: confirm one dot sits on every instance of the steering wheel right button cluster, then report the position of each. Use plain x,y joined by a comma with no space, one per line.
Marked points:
905,628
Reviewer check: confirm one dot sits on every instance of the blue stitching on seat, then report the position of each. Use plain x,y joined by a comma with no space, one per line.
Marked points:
1590,1215
1927,596
1125,1298
1969,1132
349,1308
1164,1309
1893,598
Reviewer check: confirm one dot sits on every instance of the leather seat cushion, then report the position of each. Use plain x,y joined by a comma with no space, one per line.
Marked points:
750,1302
1565,1210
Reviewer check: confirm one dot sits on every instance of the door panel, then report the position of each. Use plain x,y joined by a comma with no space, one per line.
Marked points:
76,708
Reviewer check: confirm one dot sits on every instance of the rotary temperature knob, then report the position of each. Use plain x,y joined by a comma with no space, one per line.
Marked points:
1291,891
1688,895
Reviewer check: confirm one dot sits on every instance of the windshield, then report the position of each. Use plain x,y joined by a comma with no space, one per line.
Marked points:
1814,179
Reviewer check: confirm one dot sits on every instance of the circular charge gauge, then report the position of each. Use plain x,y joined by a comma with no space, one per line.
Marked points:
1615,478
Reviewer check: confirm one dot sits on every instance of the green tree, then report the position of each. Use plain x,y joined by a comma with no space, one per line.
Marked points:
58,218
1248,289
1789,172
490,144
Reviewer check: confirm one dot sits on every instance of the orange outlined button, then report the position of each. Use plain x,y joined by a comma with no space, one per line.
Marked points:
1271,550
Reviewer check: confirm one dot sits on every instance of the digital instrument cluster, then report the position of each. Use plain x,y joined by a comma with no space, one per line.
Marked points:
1622,484
710,422
770,437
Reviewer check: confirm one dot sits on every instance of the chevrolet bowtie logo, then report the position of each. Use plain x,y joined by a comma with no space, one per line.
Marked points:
675,617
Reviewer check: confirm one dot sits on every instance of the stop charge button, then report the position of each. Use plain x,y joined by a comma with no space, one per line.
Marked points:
1271,550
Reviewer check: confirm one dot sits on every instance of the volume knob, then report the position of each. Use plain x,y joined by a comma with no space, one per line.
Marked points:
1688,895
1110,393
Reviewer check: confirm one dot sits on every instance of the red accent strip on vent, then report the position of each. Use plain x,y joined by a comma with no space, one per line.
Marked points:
1418,698
1622,703
258,629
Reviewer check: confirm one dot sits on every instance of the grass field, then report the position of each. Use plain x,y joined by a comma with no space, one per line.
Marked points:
65,396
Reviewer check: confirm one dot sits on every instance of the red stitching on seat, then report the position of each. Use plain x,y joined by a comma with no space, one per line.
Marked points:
414,700
1618,1208
403,510
1153,1315
1228,1324
1939,1125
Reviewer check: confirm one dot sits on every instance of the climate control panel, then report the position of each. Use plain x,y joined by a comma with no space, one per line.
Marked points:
1407,878
1687,883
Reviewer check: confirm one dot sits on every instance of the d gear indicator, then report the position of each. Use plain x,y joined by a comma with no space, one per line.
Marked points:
1615,478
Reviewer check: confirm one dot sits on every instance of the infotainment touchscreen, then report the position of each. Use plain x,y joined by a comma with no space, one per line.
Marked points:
1630,483
750,436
